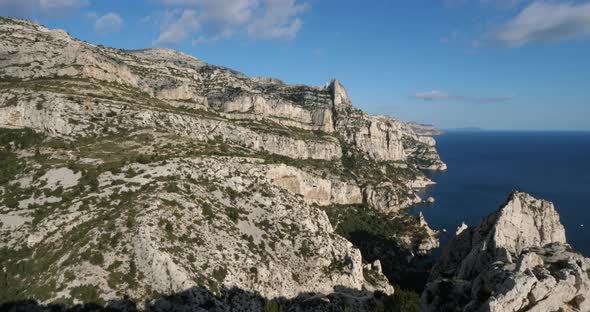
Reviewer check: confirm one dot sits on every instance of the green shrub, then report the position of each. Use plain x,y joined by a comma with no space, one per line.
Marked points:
13,101
233,213
405,301
172,187
10,166
20,138
272,306
233,194
168,227
208,211
86,294
219,274
97,258
89,179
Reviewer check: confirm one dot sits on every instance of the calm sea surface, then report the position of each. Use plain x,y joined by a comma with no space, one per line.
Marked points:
485,166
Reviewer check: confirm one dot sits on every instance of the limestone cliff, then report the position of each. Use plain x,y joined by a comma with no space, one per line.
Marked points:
146,172
32,53
517,259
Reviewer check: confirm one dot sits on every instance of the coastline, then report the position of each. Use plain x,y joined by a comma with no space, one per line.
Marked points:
485,165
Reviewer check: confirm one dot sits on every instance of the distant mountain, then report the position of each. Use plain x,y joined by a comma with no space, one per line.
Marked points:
424,129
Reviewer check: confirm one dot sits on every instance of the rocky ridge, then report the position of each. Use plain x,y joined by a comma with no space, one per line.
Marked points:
517,259
164,173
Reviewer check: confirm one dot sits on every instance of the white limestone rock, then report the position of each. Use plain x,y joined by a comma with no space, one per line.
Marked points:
63,177
420,182
517,259
315,190
430,242
339,95
461,228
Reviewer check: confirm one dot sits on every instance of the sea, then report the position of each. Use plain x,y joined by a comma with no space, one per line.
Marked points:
485,166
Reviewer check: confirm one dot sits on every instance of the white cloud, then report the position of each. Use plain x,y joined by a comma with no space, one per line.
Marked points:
108,24
502,4
545,22
432,95
205,21
178,25
226,12
31,8
279,21
498,4
436,95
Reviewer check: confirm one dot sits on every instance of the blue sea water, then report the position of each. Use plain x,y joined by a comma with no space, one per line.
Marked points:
483,167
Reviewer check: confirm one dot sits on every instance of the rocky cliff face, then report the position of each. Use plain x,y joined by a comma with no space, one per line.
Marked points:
164,173
31,53
517,259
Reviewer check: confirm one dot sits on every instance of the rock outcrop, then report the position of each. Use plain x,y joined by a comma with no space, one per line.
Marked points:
430,241
387,198
517,259
314,189
339,96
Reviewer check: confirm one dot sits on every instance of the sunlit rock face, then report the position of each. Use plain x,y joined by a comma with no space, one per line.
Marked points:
150,172
179,80
517,259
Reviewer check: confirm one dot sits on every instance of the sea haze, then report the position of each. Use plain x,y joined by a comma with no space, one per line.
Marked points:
485,166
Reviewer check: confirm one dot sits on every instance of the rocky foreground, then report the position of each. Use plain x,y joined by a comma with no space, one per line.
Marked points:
153,176
517,259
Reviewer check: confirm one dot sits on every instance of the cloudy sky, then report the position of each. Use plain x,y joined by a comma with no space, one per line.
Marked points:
495,64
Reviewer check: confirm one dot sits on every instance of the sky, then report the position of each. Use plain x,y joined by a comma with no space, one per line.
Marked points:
491,64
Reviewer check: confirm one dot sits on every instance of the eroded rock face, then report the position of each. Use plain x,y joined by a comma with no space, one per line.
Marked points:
63,116
381,139
314,189
517,259
387,198
31,51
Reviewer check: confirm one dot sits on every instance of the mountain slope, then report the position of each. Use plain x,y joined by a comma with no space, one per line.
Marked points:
150,172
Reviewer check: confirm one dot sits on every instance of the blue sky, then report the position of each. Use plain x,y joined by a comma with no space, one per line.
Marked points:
494,64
